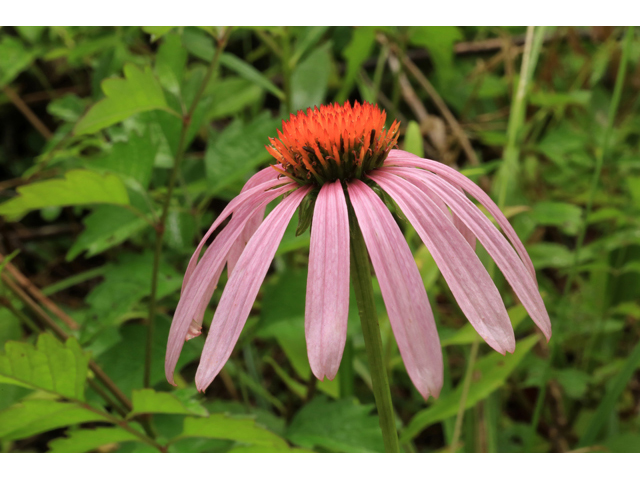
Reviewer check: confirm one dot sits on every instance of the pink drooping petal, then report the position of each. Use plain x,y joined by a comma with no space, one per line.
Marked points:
197,292
254,222
402,290
469,281
462,227
493,241
261,181
242,289
406,159
327,303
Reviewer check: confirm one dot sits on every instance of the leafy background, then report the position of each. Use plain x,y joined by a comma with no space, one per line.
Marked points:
91,127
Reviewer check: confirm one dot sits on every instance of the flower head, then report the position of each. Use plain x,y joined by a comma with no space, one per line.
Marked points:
338,153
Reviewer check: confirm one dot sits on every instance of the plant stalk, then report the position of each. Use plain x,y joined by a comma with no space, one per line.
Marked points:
160,226
361,279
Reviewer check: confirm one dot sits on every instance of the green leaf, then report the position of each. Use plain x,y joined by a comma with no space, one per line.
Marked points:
237,151
439,41
131,159
14,58
341,426
104,228
30,33
150,401
49,366
231,95
138,92
560,99
310,79
608,404
84,440
157,32
171,63
127,282
355,54
574,382
79,187
68,108
554,255
248,72
242,430
564,215
490,373
413,142
36,416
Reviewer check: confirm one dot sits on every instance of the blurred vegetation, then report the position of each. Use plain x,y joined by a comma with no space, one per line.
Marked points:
91,124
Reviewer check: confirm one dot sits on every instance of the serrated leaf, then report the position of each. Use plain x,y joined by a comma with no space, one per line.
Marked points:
84,440
131,159
237,151
35,416
344,427
492,372
242,430
49,366
150,401
138,92
78,187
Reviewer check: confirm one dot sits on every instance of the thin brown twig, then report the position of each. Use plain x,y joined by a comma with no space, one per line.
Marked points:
35,292
27,112
62,335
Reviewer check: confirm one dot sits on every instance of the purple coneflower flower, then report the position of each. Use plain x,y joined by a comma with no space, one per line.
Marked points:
336,154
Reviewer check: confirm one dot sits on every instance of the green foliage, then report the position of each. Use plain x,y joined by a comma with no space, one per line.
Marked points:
114,101
138,92
345,427
79,187
50,366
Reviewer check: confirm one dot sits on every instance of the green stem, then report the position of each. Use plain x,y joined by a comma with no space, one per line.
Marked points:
468,375
361,279
160,227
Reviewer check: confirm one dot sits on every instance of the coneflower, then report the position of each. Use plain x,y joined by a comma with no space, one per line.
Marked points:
333,162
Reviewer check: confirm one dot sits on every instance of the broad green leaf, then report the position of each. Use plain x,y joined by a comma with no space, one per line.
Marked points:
104,228
68,108
36,416
127,282
358,50
554,255
564,215
413,142
49,366
237,151
310,79
138,92
14,58
84,440
231,95
78,187
171,63
122,362
150,401
491,372
242,430
10,328
131,159
30,33
341,426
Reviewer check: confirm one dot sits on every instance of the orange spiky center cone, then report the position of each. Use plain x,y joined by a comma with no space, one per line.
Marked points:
333,142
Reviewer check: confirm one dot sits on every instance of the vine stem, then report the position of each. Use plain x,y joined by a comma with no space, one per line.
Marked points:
160,225
361,279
